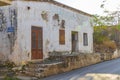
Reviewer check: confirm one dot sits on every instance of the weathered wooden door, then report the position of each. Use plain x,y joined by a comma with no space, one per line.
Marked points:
37,43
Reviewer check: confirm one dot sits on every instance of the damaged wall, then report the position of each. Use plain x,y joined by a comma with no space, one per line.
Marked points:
7,39
74,62
71,63
51,18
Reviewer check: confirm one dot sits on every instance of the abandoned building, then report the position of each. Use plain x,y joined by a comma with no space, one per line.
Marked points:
31,29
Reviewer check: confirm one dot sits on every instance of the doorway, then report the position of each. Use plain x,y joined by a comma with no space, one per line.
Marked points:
74,36
37,43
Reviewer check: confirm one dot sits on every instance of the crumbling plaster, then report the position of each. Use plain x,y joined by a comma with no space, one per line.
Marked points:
32,17
7,19
40,14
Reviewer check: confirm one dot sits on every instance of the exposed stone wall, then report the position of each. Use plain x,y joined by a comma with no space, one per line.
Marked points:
72,62
78,61
109,56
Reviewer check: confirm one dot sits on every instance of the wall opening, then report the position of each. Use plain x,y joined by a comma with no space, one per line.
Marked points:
74,36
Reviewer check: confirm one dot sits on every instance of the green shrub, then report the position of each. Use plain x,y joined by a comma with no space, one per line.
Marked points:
10,78
10,64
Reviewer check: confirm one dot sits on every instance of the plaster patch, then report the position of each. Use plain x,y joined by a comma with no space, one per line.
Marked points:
44,15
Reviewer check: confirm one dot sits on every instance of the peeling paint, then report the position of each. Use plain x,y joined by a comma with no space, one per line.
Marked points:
62,24
8,18
13,23
56,17
47,42
44,15
3,21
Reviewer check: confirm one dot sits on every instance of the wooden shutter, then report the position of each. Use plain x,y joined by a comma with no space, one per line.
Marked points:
62,37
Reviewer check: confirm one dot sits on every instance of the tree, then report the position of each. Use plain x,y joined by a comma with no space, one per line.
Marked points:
106,31
103,20
115,15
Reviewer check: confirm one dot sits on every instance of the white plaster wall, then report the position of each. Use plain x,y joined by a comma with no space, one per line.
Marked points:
5,47
27,18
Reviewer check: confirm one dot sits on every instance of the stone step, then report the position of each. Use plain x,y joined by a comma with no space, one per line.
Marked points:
38,75
29,73
3,71
35,69
35,61
34,74
37,65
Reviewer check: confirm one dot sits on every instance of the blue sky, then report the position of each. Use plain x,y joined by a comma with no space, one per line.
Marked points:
92,6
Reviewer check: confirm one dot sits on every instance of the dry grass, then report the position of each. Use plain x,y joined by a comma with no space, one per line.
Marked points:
110,44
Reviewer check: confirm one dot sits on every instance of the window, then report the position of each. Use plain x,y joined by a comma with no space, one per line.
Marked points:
85,39
62,37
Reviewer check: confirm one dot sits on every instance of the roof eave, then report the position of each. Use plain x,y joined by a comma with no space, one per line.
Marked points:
4,2
63,5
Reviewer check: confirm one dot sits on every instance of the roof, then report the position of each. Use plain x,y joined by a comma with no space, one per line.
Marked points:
4,2
70,8
61,5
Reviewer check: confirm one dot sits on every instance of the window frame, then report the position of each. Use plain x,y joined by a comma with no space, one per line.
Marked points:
85,39
61,36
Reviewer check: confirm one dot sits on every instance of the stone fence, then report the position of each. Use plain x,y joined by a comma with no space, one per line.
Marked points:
71,62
